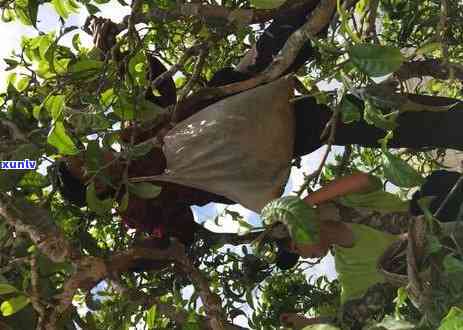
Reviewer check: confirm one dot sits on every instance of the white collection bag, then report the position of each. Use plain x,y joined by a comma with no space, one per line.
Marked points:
240,147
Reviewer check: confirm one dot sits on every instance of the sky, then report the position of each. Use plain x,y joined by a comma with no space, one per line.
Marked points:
48,21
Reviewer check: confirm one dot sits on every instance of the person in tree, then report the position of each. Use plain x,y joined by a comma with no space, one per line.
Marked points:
356,247
415,130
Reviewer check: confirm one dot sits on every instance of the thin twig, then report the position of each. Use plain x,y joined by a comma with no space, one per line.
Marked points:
371,27
35,296
331,125
174,68
449,196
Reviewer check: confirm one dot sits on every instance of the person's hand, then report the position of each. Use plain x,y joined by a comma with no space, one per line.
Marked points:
354,183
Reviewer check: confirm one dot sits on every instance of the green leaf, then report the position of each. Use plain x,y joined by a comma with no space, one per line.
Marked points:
400,300
433,244
321,327
378,200
100,207
61,141
424,203
86,68
390,323
11,63
124,203
429,48
44,44
145,190
345,23
399,172
34,180
376,60
123,107
76,42
452,265
140,150
299,217
108,97
374,116
147,110
14,305
350,111
453,320
94,157
267,4
151,317
137,68
6,289
61,8
27,10
250,297
22,83
7,15
92,10
55,105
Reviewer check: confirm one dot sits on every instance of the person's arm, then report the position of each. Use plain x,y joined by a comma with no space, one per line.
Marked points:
354,183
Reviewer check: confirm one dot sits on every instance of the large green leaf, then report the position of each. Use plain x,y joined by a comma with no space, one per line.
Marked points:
399,172
13,305
64,8
145,190
453,320
55,105
85,68
61,141
267,4
300,218
378,200
376,60
27,10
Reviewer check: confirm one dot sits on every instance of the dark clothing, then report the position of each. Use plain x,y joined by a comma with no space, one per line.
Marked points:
275,36
438,185
168,214
415,129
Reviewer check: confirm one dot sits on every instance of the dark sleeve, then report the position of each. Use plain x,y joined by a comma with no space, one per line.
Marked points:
167,89
274,38
439,184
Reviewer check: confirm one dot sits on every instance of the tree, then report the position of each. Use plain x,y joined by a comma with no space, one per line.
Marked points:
61,100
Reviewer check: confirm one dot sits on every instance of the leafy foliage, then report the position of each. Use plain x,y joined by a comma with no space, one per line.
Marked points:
64,98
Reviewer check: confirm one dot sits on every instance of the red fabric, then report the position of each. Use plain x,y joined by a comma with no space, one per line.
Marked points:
168,214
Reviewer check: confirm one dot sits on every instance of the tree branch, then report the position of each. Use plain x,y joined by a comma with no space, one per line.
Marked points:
318,20
206,12
36,222
432,68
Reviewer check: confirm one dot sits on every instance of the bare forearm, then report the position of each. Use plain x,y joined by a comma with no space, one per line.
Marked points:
357,182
